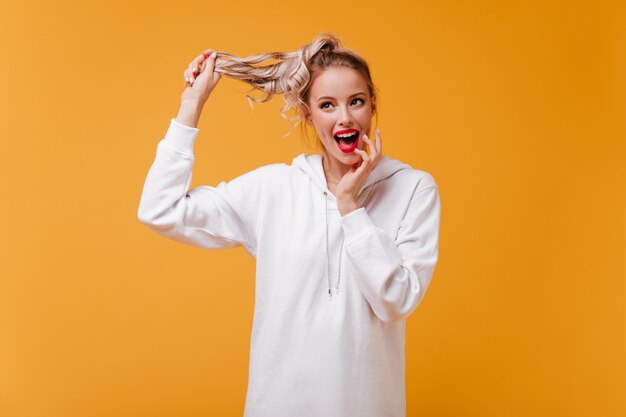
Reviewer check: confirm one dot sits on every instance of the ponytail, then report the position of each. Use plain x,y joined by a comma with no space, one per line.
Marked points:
289,76
292,74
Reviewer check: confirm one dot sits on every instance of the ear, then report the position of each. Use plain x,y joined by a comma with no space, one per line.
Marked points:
307,118
373,106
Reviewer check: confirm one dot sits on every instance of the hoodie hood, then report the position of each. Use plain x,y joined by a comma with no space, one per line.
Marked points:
312,166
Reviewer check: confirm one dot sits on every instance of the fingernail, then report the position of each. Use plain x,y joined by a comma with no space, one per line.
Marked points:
213,54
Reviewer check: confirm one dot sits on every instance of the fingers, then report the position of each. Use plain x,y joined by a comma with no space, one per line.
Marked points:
365,162
195,64
369,161
379,142
370,145
374,148
195,67
205,64
210,66
361,169
377,146
364,155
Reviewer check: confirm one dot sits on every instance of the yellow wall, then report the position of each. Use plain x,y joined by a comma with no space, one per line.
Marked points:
516,108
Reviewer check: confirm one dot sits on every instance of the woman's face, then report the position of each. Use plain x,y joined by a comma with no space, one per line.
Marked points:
341,112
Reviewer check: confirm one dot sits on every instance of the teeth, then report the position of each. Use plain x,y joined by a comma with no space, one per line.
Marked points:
346,135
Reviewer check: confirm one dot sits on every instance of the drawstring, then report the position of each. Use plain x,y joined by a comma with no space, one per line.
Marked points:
339,267
330,296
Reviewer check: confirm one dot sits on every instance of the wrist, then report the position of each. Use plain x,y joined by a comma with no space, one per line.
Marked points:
189,113
346,205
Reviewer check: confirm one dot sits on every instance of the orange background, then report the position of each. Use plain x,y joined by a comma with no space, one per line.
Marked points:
516,108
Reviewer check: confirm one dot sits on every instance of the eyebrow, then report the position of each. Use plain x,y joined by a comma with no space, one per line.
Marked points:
332,98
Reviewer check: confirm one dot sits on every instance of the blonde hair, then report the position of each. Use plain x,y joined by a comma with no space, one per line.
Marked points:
293,74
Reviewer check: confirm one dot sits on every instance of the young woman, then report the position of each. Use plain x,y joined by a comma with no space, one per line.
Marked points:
345,241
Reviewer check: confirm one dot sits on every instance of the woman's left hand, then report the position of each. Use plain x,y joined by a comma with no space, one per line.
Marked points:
350,184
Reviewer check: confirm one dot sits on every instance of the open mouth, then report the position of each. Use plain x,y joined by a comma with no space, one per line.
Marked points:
347,140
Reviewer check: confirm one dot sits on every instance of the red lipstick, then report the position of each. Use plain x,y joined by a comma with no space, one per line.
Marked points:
347,147
340,132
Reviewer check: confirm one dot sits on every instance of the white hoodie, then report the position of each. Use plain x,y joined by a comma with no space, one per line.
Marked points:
313,353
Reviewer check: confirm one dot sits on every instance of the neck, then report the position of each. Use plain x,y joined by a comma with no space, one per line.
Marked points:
333,169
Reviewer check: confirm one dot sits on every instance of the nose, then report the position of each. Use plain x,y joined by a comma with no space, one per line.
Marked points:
345,116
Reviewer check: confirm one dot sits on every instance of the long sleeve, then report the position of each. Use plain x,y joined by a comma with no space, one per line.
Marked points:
206,216
393,276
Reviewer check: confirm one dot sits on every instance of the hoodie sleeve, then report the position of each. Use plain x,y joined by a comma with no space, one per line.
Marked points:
206,216
393,276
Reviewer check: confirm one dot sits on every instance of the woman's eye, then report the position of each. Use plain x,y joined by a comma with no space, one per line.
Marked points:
358,99
323,106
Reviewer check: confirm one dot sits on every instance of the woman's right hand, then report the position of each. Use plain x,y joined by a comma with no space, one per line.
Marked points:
201,78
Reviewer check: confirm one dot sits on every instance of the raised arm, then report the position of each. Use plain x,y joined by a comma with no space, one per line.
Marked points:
208,217
200,80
